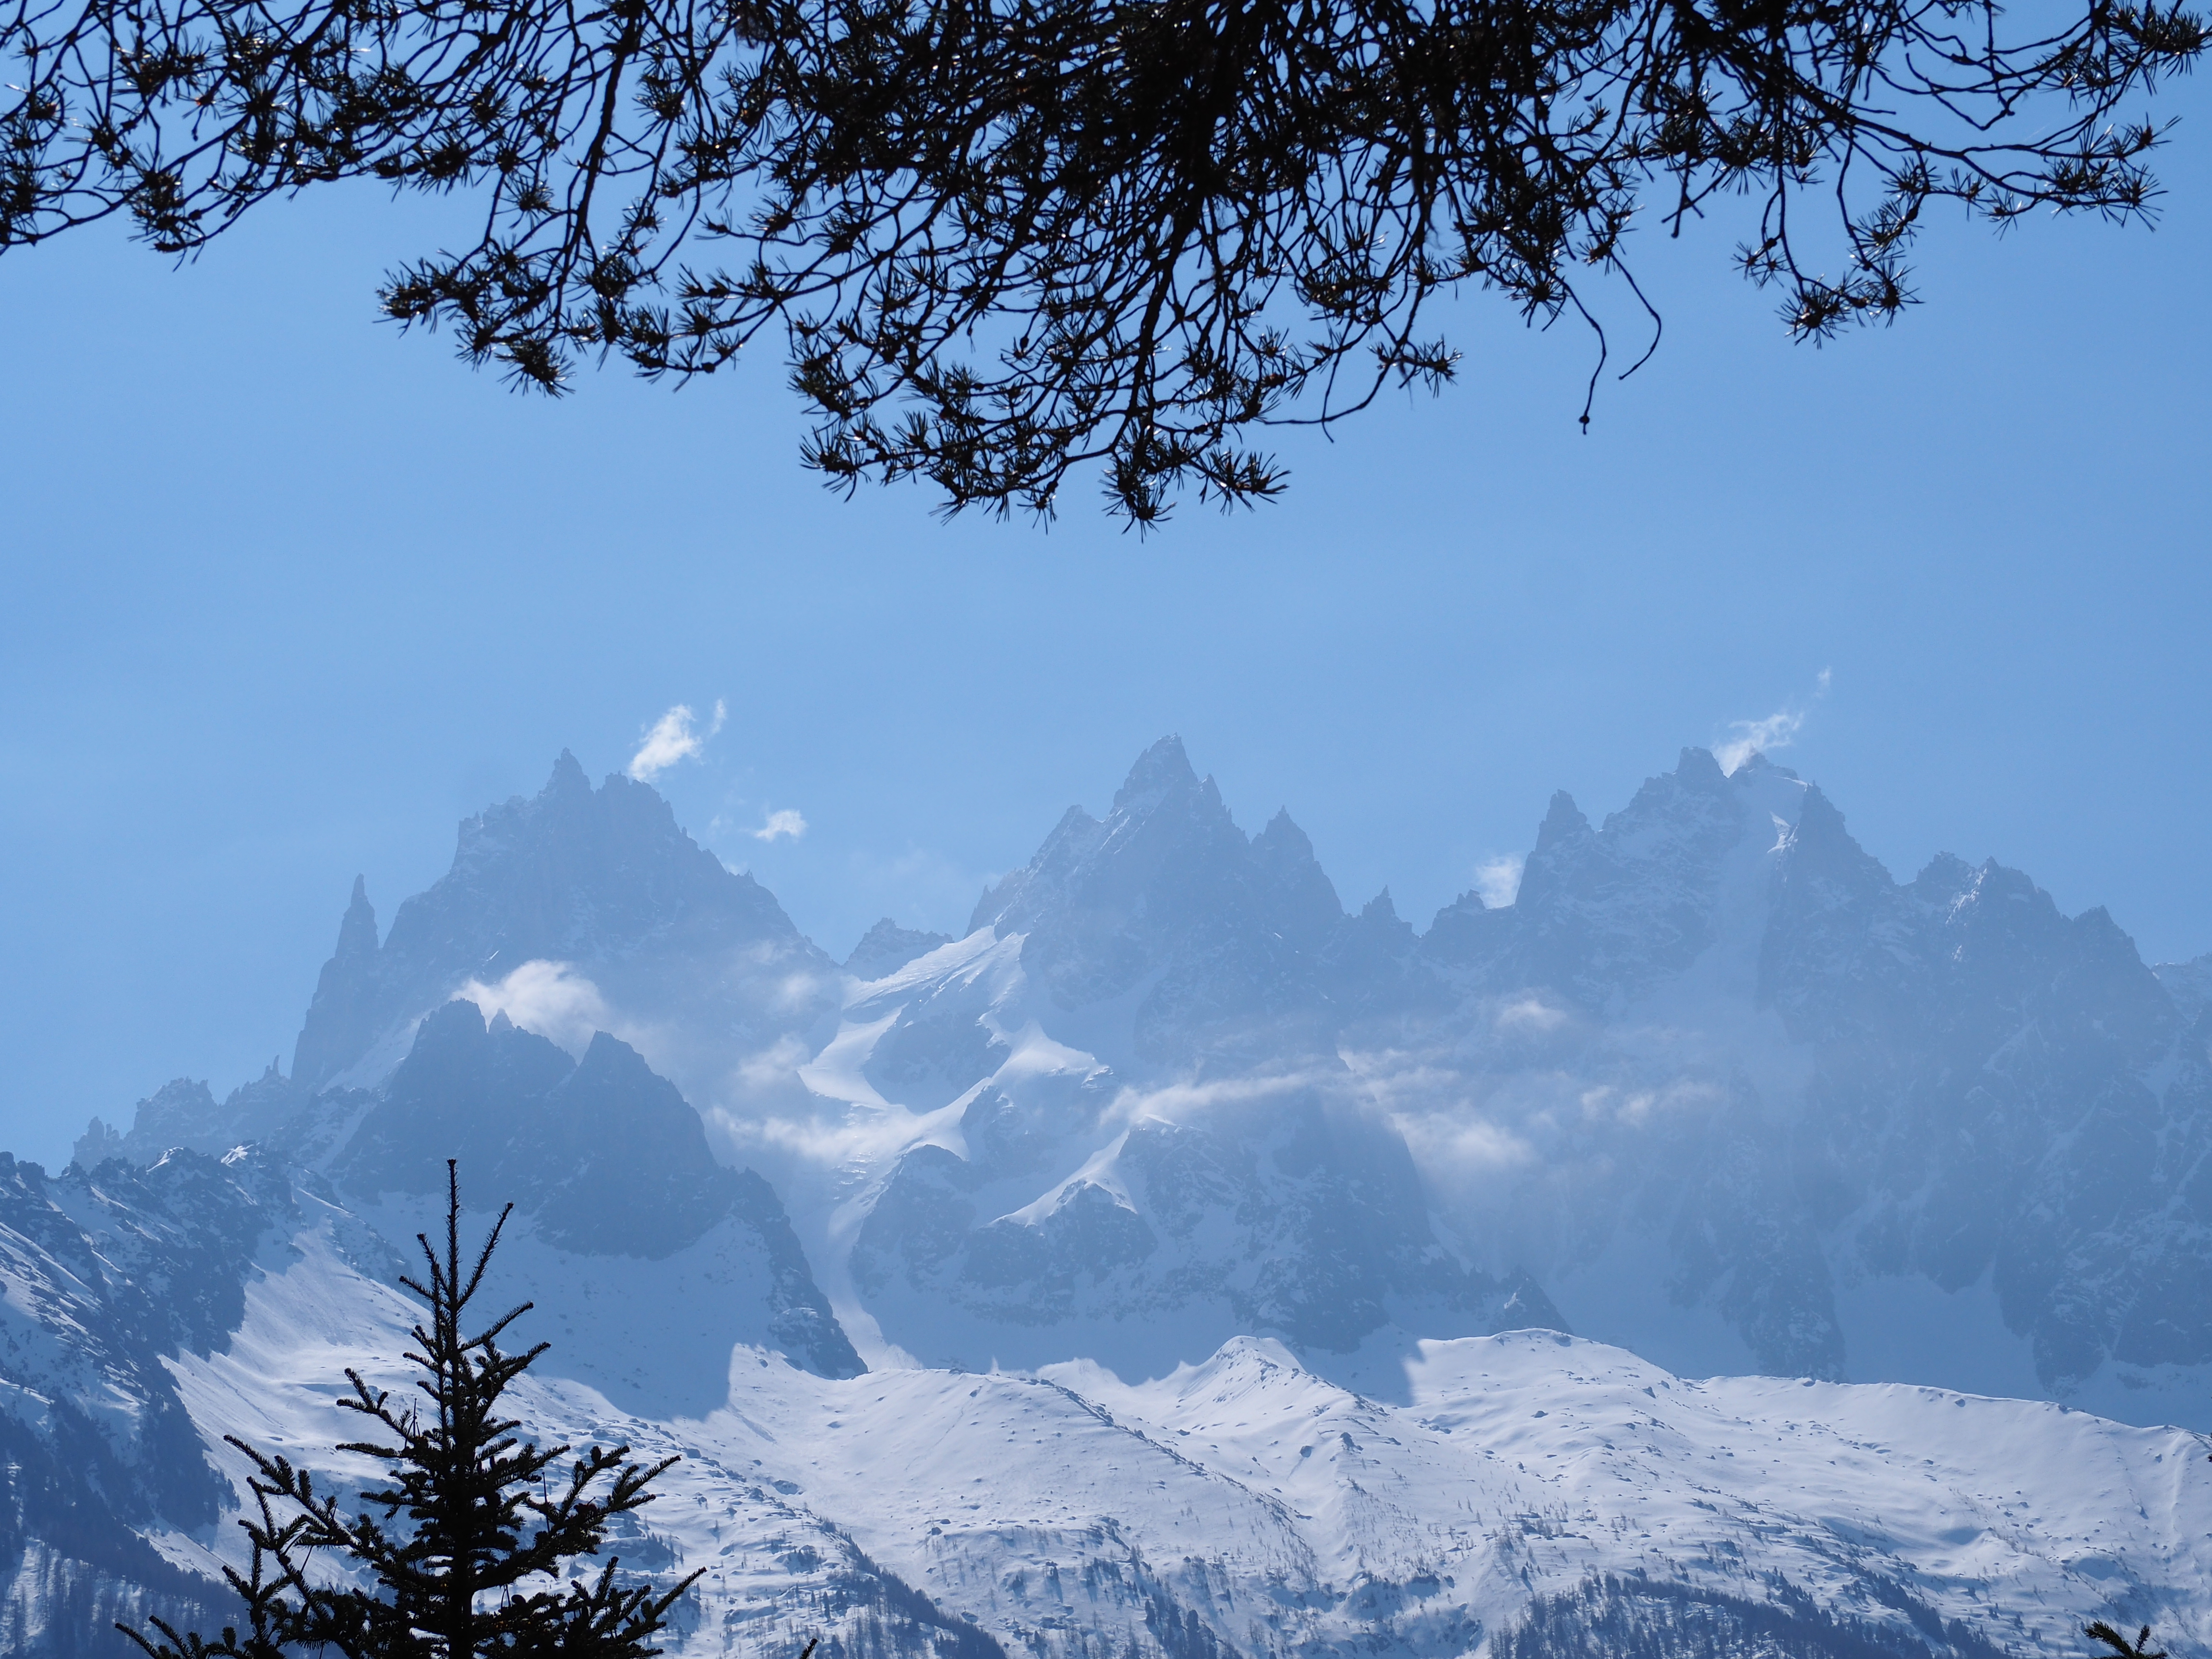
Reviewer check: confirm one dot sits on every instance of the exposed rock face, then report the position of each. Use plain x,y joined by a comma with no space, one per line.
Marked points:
603,1158
107,1271
272,1111
1158,1144
1867,1084
1733,1094
1288,1212
617,909
355,999
1212,934
887,947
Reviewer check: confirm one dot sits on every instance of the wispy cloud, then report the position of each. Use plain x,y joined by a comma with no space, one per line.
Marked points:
1763,737
1530,1013
1463,1147
549,998
788,822
1184,1102
674,737
1759,737
1498,880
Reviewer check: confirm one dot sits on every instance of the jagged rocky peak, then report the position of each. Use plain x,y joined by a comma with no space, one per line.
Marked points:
887,947
182,1112
1467,932
608,1164
357,927
1304,906
1161,771
96,1144
1105,902
576,872
1164,819
271,1112
1605,913
601,878
2011,952
608,1156
1372,964
1381,911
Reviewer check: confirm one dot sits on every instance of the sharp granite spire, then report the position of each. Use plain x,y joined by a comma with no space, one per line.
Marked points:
602,882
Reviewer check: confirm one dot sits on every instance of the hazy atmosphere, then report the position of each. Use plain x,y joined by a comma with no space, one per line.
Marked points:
290,593
746,678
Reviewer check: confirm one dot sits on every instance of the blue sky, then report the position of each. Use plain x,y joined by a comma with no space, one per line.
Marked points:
286,595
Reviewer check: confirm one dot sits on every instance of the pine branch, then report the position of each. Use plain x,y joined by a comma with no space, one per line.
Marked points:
1000,241
2118,1643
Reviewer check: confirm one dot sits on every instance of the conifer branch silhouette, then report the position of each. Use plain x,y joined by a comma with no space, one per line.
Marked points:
475,1568
1000,239
2120,1646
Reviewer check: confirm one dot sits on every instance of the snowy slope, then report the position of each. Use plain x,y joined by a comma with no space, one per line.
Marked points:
1246,1506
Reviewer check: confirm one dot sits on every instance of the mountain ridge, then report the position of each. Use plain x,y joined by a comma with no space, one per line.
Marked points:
1720,943
1172,1134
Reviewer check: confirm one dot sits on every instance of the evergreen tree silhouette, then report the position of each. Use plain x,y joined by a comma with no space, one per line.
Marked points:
469,1543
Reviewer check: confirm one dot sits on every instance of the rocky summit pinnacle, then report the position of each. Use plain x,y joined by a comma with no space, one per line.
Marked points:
568,779
1162,769
887,947
601,881
1166,890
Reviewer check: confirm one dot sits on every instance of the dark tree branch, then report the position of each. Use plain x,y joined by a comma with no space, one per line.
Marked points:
1002,239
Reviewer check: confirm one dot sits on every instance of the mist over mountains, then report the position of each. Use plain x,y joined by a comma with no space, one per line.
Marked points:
1716,1088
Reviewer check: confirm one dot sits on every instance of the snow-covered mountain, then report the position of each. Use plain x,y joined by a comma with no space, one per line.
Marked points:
1715,1086
1538,1493
1182,1214
650,931
1844,1125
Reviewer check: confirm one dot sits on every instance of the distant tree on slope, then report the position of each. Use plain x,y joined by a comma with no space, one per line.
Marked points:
476,1569
1001,238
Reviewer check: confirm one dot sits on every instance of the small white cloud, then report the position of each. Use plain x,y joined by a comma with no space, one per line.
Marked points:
1530,1014
674,737
549,998
1763,737
1760,736
1461,1145
784,823
1498,880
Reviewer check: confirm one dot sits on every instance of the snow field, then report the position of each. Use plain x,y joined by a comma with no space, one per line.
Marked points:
1070,1513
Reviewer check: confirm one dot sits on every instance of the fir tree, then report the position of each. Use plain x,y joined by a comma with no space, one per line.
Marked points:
468,1543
